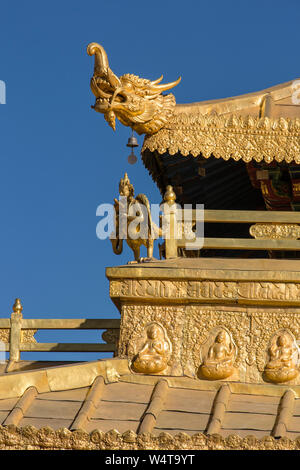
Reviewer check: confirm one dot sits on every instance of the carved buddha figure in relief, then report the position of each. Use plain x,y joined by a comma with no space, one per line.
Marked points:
153,357
282,365
218,363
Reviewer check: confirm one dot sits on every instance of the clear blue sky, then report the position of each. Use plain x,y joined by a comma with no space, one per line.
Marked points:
59,159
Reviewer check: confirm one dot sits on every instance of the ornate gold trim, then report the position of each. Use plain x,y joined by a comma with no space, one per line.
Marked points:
27,336
5,335
275,231
231,136
242,292
30,438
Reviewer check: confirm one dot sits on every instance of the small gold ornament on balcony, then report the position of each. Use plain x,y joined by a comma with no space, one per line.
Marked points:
17,307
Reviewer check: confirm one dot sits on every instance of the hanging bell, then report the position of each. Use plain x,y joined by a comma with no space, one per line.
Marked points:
132,142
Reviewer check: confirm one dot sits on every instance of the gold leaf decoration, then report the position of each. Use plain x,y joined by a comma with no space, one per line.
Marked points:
239,137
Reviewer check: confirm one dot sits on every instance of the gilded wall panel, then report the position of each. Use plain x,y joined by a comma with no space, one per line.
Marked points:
201,328
135,319
190,317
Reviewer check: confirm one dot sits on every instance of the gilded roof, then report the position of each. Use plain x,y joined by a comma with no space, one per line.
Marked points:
102,405
260,126
263,125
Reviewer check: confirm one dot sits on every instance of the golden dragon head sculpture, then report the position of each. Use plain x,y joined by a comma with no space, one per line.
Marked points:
135,101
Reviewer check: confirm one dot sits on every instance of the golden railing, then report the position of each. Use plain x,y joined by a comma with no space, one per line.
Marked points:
272,230
17,335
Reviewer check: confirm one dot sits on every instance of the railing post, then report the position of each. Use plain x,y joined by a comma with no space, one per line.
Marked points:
15,335
170,221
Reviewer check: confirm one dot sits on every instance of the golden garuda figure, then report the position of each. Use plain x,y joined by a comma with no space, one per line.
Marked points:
142,232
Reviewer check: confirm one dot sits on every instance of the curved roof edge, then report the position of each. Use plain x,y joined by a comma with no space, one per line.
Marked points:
121,398
260,126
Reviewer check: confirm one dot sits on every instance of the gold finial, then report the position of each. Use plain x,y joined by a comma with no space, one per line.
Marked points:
170,196
17,307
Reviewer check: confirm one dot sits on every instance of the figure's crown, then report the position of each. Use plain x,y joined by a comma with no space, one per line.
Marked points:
125,182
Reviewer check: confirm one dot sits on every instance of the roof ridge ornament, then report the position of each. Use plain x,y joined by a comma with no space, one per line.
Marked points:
136,102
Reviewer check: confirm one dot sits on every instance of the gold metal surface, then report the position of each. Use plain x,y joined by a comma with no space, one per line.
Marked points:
181,269
135,101
18,333
155,407
112,336
22,405
69,323
232,216
60,378
263,389
285,413
170,224
90,403
279,244
15,335
219,410
14,384
79,375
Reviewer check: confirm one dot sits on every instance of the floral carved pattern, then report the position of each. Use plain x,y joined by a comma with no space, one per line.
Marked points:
275,231
5,335
27,336
239,137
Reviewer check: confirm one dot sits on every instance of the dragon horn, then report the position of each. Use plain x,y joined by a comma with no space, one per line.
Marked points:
156,82
101,67
101,60
164,87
